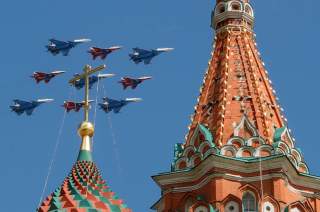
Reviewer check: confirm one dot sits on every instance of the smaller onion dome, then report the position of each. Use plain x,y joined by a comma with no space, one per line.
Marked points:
83,190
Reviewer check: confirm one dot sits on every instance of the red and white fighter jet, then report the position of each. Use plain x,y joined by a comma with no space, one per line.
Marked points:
46,77
101,52
132,82
71,105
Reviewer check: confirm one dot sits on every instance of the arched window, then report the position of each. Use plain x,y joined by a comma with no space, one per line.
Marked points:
201,209
221,8
249,202
248,9
231,206
236,6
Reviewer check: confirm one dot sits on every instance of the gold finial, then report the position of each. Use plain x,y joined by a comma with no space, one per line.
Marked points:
86,128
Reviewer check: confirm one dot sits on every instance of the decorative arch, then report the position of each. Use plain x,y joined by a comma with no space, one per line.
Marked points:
189,152
249,202
297,155
283,146
181,163
270,205
256,141
235,6
231,200
220,8
229,151
232,206
204,147
250,188
298,207
202,130
236,141
248,9
246,126
195,160
283,134
263,151
302,167
293,160
245,152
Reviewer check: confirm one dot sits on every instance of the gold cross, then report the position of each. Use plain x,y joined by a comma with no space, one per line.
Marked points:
87,71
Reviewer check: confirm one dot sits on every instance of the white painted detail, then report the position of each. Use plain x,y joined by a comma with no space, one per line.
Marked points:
201,209
232,206
268,207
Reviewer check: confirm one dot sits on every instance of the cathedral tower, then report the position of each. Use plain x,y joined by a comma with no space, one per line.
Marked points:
239,154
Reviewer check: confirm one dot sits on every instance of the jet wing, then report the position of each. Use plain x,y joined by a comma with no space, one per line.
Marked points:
117,109
134,86
21,102
19,112
65,52
40,73
96,48
58,42
147,61
109,101
140,51
29,112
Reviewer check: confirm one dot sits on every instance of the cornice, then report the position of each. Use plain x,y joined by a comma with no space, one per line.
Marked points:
201,175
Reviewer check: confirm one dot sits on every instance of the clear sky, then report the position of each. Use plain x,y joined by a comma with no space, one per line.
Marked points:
131,146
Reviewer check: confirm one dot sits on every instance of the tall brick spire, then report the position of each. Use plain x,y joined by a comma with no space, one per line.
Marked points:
237,110
238,154
236,83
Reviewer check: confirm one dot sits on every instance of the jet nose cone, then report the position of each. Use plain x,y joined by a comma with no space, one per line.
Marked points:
58,72
133,99
45,100
165,49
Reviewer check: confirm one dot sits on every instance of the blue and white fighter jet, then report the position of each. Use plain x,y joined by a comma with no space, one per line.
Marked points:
21,106
142,55
116,105
57,46
79,84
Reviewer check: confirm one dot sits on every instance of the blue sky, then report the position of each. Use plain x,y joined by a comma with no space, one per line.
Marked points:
139,142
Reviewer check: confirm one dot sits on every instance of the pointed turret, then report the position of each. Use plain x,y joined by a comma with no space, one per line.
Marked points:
84,190
238,154
237,103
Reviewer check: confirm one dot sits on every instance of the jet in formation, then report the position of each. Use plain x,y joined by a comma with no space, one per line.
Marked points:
21,106
57,46
80,83
102,52
71,105
46,77
109,105
132,82
142,55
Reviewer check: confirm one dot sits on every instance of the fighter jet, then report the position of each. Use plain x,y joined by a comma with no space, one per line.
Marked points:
71,105
116,105
46,77
57,46
92,79
102,53
131,82
146,56
21,106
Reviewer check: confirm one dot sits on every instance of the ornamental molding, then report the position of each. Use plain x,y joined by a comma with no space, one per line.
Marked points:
242,167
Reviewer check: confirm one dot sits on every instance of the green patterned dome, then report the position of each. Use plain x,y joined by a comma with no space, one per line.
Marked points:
83,190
